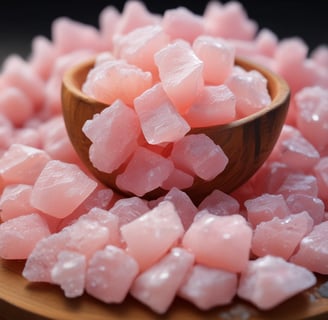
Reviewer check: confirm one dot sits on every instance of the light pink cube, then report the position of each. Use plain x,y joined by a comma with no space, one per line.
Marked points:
215,105
15,201
222,242
265,207
181,23
19,236
198,155
61,188
118,120
181,73
139,46
69,272
178,179
145,172
22,164
209,287
280,237
218,56
312,252
150,236
157,286
160,121
110,274
220,203
270,280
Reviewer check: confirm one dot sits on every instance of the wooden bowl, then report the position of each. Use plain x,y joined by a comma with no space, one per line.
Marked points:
247,142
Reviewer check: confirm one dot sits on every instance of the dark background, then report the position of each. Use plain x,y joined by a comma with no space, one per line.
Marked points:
20,21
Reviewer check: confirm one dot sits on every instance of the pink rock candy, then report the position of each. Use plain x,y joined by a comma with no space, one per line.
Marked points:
145,172
160,121
209,287
150,236
214,106
118,120
198,155
218,57
180,71
104,82
110,274
19,236
270,280
157,286
69,273
280,237
61,188
222,242
22,164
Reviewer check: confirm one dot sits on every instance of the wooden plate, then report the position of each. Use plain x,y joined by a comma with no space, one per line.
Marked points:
20,299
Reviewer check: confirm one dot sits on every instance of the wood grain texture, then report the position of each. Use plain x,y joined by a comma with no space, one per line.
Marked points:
247,142
21,300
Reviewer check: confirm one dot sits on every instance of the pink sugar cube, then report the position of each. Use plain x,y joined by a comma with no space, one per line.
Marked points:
184,206
151,235
220,203
280,237
209,287
110,274
314,206
218,57
299,183
222,242
43,56
160,121
69,35
269,177
64,181
320,55
15,201
16,72
118,120
270,280
139,46
19,236
55,140
134,15
180,71
145,172
312,252
69,272
312,114
181,23
157,286
104,82
215,105
22,164
198,155
28,137
178,179
229,21
101,198
109,17
266,42
105,219
265,207
129,209
297,153
84,236
16,105
250,90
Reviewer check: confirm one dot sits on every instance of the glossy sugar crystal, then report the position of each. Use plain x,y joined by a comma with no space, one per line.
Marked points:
118,120
159,119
